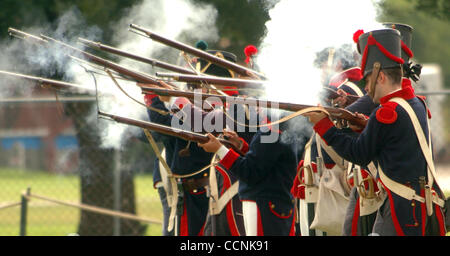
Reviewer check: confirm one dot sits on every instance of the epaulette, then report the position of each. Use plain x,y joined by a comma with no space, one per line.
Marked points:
423,99
386,114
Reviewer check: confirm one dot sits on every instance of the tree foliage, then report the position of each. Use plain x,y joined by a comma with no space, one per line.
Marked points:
436,8
430,35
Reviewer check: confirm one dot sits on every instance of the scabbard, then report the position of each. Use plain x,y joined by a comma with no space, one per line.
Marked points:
428,200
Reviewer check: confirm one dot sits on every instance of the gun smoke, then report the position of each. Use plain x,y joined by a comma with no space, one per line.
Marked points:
182,20
296,31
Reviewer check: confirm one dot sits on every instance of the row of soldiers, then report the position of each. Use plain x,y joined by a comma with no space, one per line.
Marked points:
331,178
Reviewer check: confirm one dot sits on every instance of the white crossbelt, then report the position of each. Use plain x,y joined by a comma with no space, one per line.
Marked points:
400,189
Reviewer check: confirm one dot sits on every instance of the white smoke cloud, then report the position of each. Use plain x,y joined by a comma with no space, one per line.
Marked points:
177,19
296,31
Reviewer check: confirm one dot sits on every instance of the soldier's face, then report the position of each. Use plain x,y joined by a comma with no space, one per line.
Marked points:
372,88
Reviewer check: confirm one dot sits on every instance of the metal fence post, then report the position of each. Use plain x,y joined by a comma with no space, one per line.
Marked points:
117,193
23,213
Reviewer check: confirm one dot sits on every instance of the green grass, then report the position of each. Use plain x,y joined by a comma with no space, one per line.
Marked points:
49,219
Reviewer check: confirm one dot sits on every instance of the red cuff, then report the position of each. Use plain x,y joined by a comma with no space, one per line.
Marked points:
323,126
148,98
229,159
244,147
181,102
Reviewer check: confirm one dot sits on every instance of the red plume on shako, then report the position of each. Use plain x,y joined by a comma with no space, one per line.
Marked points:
250,51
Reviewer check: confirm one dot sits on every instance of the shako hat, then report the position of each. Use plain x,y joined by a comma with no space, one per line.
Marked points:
406,34
382,46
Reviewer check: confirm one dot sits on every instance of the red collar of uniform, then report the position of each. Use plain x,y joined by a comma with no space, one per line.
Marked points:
406,82
352,74
406,93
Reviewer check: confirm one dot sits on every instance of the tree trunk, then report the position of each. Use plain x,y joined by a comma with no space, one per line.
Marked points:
96,169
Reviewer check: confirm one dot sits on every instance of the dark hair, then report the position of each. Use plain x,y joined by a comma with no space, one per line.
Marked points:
394,74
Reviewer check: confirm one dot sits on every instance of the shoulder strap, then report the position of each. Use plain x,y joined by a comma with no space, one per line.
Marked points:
225,198
174,199
426,149
355,88
330,151
307,157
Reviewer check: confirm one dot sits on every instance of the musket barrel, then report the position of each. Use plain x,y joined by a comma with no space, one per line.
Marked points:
44,81
153,62
23,35
137,76
197,52
224,81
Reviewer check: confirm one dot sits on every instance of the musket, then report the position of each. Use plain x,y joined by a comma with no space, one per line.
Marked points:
182,134
44,82
196,52
153,62
135,75
338,113
332,94
223,81
26,36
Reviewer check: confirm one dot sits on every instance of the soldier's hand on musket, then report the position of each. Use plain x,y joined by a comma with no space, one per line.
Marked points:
165,86
212,146
342,100
232,137
358,128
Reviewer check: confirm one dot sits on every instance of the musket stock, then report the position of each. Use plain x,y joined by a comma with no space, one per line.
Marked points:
338,113
196,52
182,134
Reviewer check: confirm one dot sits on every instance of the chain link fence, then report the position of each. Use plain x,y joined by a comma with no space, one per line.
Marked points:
75,186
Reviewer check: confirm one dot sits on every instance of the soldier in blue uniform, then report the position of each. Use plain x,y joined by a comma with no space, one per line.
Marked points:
186,158
355,218
194,219
390,140
228,221
265,175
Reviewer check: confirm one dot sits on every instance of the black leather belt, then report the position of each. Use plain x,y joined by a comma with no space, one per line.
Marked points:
195,184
